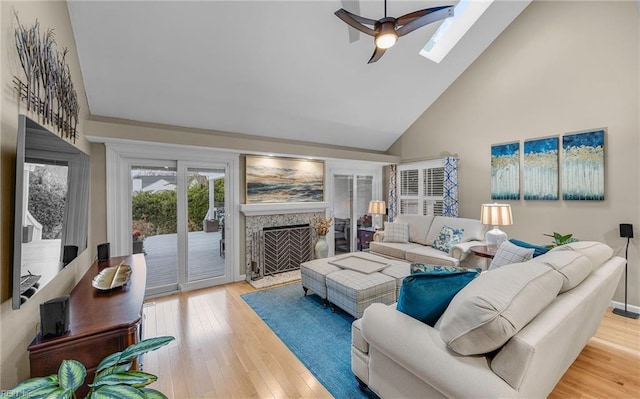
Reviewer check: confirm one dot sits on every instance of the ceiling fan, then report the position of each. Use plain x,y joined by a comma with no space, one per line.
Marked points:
387,30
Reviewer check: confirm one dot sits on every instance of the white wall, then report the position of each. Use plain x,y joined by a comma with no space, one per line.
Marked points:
560,67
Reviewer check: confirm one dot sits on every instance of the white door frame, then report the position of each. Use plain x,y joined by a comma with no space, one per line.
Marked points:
121,154
354,169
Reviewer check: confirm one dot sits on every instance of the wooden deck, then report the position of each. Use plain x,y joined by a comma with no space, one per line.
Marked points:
162,258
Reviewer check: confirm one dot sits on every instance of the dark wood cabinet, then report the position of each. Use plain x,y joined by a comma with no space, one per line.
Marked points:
101,322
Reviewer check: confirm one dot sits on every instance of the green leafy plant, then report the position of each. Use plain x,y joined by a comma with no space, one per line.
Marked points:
113,378
559,239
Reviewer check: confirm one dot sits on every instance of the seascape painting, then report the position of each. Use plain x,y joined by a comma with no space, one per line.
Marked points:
282,180
505,171
583,166
541,169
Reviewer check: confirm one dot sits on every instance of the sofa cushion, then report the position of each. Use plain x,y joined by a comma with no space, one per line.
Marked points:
448,237
572,266
396,232
496,305
473,228
424,254
425,294
391,249
418,227
537,249
508,253
597,252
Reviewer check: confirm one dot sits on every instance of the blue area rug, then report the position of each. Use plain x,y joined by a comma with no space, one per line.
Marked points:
319,338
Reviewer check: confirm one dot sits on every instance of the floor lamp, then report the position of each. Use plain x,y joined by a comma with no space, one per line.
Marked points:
626,230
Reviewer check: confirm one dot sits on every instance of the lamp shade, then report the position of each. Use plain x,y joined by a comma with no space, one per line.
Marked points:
377,207
496,214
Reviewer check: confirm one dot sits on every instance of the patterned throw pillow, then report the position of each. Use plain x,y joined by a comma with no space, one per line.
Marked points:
509,253
396,232
447,238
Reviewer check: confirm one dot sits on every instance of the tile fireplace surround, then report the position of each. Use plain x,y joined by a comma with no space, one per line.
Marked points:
260,216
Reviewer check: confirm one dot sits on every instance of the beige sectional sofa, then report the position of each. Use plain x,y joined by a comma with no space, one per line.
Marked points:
423,230
511,332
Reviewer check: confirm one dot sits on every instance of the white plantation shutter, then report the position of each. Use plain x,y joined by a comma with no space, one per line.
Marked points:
421,188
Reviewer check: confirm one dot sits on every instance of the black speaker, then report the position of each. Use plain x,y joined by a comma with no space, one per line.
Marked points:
69,253
54,317
103,251
626,230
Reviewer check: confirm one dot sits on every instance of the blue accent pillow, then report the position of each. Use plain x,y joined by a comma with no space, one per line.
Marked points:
447,238
537,249
425,295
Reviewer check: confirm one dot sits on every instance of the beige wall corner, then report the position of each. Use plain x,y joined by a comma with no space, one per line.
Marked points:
560,67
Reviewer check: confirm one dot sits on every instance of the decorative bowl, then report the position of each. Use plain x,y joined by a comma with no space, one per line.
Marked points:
112,277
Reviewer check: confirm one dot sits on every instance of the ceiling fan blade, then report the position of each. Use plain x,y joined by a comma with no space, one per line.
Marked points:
405,19
377,54
434,14
355,21
354,35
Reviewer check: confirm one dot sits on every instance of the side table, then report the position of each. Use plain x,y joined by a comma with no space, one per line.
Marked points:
365,235
484,251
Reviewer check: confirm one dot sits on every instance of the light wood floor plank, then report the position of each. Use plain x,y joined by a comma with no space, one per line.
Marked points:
224,350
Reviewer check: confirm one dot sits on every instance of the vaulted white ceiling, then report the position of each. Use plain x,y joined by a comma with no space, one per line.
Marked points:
283,69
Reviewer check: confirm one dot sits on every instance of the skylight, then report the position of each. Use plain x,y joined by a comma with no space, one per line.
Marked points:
466,13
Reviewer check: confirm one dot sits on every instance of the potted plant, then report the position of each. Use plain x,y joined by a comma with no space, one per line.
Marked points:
113,378
559,239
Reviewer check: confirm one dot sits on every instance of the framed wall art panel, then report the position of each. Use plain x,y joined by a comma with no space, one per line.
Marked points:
283,180
505,171
583,166
541,169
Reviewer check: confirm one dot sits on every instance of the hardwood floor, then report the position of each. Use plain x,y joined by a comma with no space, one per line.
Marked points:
224,350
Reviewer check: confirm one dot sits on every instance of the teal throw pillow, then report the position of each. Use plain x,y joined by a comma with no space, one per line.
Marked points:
447,238
425,295
537,249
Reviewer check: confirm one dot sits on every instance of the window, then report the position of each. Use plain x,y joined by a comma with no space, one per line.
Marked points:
421,188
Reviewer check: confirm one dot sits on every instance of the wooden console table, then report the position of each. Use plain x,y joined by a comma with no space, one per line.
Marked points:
101,322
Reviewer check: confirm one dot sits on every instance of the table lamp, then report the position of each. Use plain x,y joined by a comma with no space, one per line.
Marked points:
496,215
377,208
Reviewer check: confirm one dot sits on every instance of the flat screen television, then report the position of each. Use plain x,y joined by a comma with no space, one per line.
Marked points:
51,208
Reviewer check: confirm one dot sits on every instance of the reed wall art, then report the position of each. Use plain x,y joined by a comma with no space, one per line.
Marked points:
47,88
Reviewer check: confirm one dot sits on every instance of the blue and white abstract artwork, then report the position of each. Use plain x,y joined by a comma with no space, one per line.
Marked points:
541,169
583,166
505,171
283,180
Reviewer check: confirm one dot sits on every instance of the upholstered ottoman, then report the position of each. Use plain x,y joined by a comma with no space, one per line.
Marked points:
353,291
397,270
314,274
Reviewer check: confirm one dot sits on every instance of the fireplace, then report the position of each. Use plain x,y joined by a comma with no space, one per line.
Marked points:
280,249
255,228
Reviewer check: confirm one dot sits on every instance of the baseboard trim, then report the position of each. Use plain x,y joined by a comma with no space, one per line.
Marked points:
620,305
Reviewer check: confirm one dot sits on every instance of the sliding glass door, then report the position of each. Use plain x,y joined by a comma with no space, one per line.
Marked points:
205,226
352,224
178,223
154,222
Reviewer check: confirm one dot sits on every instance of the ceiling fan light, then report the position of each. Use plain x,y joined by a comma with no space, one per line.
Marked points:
384,40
